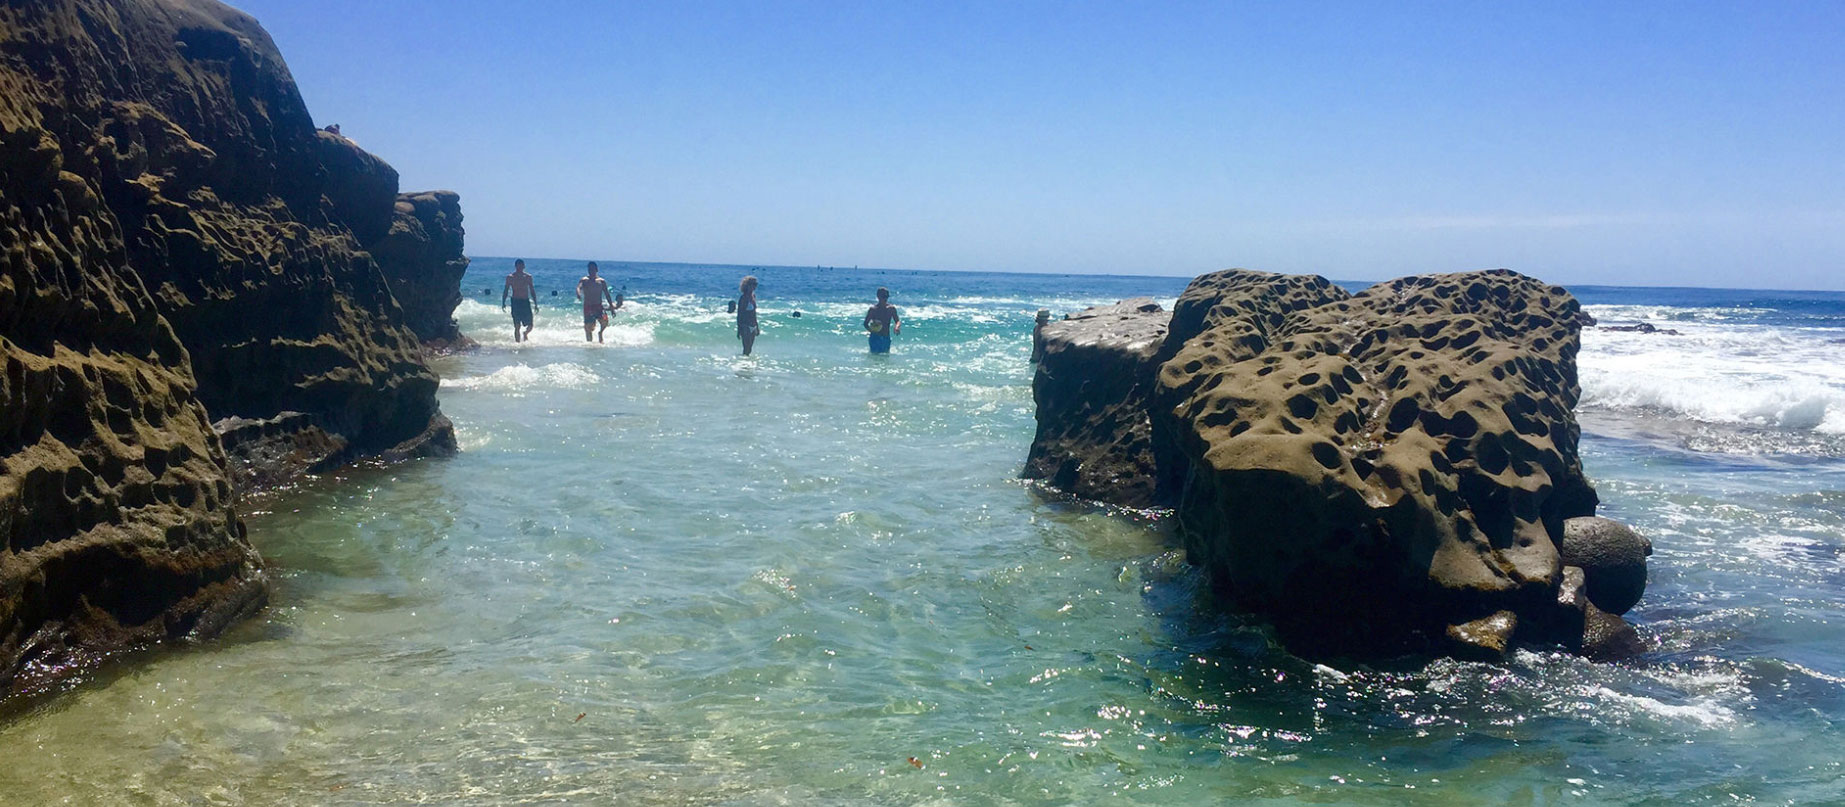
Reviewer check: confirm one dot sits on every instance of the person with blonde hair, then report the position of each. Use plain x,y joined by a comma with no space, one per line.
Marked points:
747,327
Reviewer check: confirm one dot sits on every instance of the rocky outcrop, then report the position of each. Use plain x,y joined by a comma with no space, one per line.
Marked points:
181,246
1094,374
421,258
1376,473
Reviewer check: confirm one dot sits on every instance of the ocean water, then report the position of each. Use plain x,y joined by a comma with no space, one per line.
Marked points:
662,573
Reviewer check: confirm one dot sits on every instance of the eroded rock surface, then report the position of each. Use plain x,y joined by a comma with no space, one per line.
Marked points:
1376,473
178,245
421,256
1094,373
1373,470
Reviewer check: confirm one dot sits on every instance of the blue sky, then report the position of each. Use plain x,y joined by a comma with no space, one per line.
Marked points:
1617,143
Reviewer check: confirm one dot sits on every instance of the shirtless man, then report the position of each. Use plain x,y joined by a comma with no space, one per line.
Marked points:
594,291
882,321
519,289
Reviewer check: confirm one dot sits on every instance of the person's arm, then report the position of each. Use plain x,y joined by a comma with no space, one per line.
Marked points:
505,291
579,291
896,324
867,323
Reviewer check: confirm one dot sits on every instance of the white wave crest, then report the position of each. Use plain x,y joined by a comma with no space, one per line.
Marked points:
518,378
1783,378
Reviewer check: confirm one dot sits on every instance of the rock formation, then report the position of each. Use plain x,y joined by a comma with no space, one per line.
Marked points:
1375,473
421,258
178,246
1095,371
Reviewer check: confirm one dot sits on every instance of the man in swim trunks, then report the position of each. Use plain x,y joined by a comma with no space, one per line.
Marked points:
519,289
597,303
882,321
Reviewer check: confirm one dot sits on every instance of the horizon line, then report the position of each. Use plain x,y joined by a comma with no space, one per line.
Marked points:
1373,281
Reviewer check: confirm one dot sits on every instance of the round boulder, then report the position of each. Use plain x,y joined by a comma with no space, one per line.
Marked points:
1612,557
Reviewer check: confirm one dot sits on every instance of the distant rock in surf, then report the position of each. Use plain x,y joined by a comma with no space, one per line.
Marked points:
1378,473
1643,327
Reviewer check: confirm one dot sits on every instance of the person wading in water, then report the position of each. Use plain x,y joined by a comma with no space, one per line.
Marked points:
597,303
747,328
519,288
882,322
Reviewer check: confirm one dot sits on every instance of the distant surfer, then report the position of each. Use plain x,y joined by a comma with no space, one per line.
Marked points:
882,322
747,328
519,291
597,303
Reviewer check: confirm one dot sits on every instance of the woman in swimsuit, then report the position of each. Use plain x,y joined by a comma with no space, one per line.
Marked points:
747,329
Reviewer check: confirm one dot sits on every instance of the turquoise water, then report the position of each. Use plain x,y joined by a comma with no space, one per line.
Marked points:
662,573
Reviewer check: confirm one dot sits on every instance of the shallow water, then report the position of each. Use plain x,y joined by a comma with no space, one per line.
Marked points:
661,573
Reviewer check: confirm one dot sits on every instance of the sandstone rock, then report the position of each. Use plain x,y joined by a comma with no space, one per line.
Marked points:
1612,557
421,259
1377,473
1562,622
1484,639
1091,389
178,245
1243,311
1366,471
1607,637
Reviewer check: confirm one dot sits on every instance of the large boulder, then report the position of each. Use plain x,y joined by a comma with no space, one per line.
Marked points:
178,246
1612,557
1376,473
1095,369
1371,472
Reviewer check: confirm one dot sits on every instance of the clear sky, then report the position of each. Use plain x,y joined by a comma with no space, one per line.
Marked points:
1681,143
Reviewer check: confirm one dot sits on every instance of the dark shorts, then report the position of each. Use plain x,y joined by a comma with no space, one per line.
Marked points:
590,317
522,312
880,343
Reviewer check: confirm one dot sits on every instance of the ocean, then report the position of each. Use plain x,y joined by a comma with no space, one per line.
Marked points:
659,572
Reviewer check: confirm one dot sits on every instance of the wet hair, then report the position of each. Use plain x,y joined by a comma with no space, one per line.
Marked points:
519,262
747,283
883,293
592,266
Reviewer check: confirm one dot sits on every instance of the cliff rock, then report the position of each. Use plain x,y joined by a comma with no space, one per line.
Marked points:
180,246
421,258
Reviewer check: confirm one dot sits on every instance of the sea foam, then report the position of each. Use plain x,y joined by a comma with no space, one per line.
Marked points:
1716,371
519,378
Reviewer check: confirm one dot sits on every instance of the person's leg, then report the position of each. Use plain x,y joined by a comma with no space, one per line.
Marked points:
749,340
